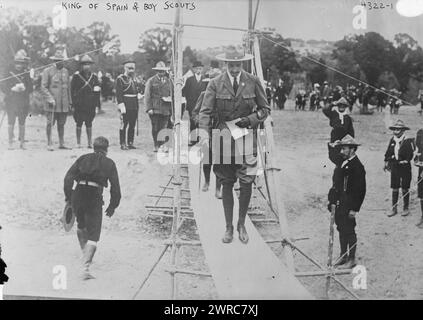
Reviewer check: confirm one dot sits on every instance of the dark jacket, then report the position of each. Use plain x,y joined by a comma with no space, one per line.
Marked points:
192,91
13,99
155,91
335,122
94,167
127,90
84,98
405,153
349,181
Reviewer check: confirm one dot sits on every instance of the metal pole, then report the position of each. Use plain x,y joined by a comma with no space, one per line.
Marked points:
177,54
330,248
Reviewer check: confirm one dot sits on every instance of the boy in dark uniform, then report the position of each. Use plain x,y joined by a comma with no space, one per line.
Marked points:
398,156
85,88
418,161
92,172
17,90
347,193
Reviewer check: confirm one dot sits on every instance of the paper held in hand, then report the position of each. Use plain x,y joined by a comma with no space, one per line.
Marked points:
236,131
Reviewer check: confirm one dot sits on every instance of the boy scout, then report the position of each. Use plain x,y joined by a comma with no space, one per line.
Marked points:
17,90
56,90
398,156
85,89
92,172
235,94
347,193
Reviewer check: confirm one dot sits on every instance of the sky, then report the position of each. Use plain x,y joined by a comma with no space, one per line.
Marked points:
306,19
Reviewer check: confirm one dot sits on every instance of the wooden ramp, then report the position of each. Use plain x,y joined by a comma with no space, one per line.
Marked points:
239,271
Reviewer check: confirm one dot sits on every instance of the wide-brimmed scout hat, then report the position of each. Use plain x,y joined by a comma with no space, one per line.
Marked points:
21,56
161,66
399,124
59,55
342,102
348,140
68,217
86,59
197,64
233,55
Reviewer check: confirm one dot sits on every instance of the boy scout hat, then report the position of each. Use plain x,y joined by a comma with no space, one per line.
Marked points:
342,102
68,217
161,66
348,140
399,124
233,55
21,56
86,59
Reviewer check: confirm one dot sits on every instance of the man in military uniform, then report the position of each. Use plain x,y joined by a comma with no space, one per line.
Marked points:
17,89
127,99
158,102
347,193
55,88
398,157
85,89
234,95
194,85
92,172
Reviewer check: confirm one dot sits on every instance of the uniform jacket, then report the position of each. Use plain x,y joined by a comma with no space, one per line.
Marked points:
127,90
84,98
350,184
335,121
13,99
94,167
192,91
155,90
55,87
405,152
221,100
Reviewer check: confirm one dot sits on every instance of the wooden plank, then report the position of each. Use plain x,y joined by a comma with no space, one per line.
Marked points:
239,271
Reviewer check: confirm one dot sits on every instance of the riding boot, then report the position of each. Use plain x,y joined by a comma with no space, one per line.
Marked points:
406,202
10,132
22,136
245,191
90,137
78,136
395,194
122,139
228,207
352,245
218,192
82,237
343,258
89,251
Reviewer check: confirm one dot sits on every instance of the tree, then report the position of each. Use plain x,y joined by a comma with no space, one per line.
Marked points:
157,44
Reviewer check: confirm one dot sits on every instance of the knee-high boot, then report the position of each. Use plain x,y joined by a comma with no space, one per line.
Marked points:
228,207
90,137
11,136
352,248
406,202
420,223
22,136
49,142
245,191
78,136
343,242
395,194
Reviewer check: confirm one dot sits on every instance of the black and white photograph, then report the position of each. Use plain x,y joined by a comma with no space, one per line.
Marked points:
211,150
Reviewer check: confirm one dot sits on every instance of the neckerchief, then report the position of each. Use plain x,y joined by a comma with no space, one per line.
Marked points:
398,142
340,114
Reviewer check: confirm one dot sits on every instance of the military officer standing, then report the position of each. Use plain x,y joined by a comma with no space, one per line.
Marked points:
92,172
348,193
233,95
158,102
127,99
55,88
85,89
194,85
398,157
17,89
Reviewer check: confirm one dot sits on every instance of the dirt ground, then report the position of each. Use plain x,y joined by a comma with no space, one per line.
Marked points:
33,241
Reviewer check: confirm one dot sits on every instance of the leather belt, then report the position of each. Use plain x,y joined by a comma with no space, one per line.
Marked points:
89,183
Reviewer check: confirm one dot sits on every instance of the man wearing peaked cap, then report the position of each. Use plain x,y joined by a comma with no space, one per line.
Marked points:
194,85
398,158
85,93
234,95
127,90
55,88
17,89
158,102
347,194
